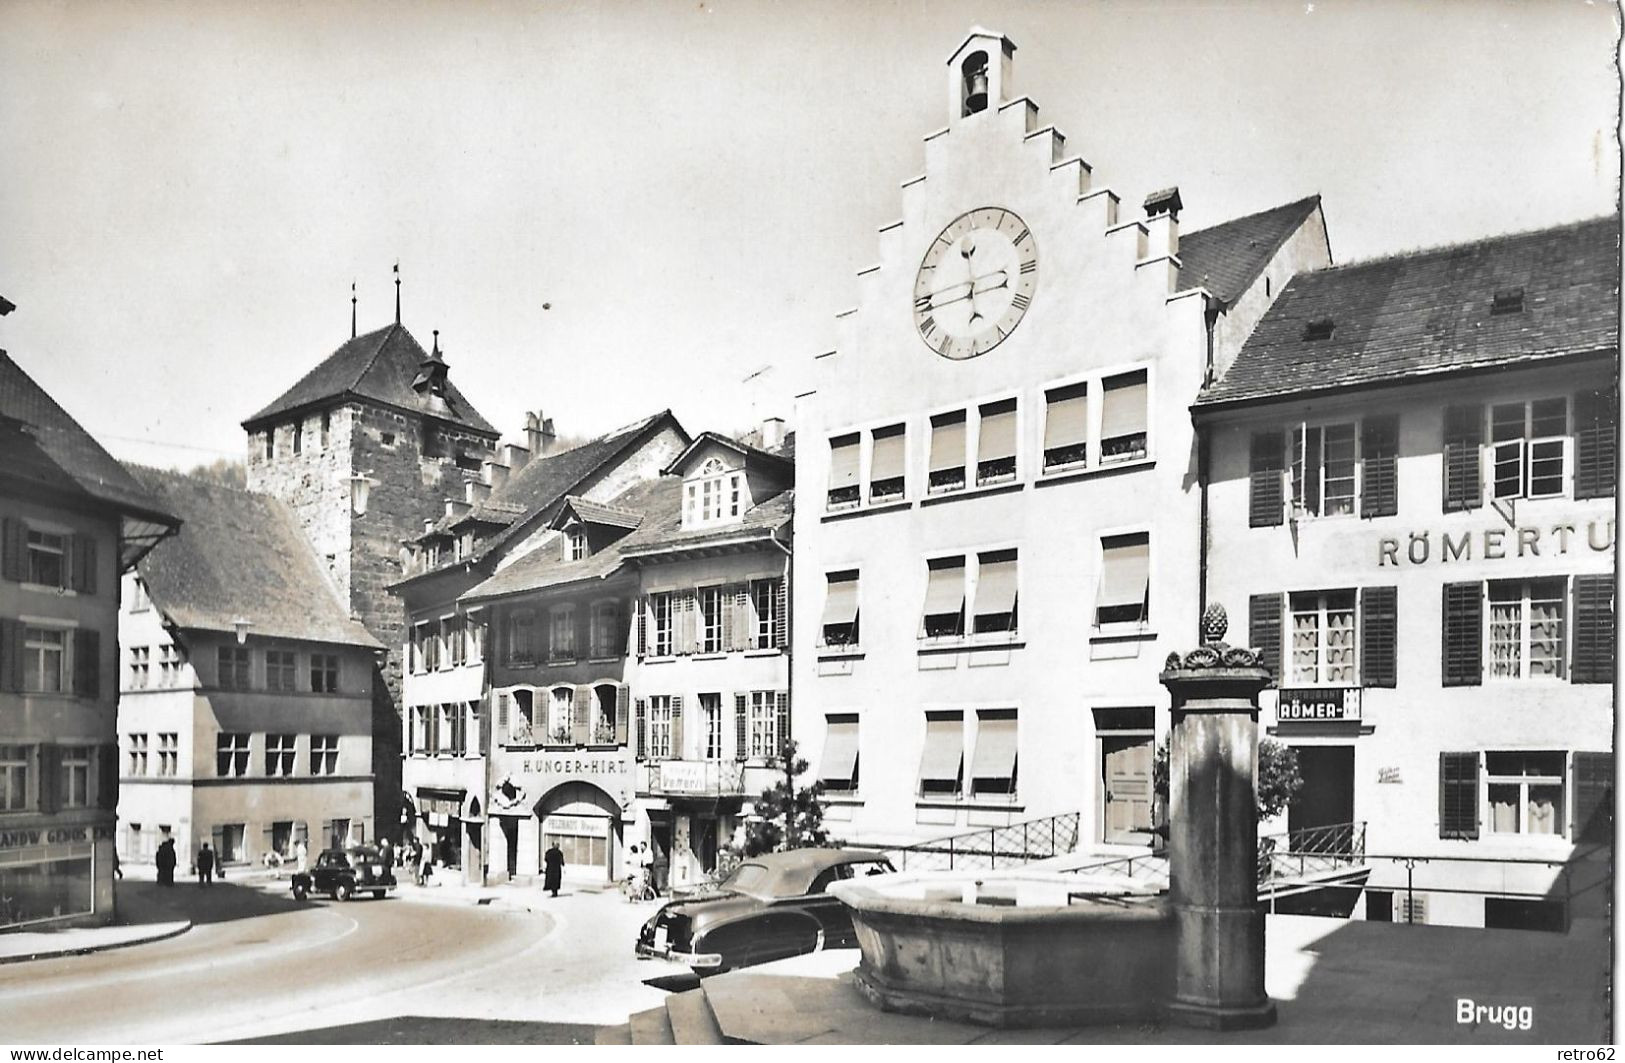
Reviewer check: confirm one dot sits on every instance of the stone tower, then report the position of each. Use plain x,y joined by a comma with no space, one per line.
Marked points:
365,448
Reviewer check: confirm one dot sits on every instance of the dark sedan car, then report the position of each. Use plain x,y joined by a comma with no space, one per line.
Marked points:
341,873
770,907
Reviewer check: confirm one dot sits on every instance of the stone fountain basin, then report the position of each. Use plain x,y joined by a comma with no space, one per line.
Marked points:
1011,948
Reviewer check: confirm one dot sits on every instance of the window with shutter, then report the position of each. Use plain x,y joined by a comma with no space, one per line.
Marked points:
640,710
943,757
741,726
1066,427
1123,417
1379,636
1458,795
1124,594
996,448
944,615
781,613
1379,466
581,717
84,564
888,451
87,663
844,491
1596,443
1264,631
995,602
839,625
838,764
1323,650
1265,492
1462,659
1593,629
677,747
782,722
622,694
948,440
11,655
1593,797
13,550
1463,440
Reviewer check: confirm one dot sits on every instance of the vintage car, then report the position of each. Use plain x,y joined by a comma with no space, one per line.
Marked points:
341,873
770,907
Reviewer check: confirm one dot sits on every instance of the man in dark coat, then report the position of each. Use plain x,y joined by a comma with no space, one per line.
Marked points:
205,865
165,859
553,865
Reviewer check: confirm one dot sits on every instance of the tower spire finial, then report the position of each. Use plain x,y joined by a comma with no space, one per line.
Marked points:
352,310
397,291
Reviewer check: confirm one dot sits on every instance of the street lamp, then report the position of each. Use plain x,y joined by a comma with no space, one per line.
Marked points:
241,625
360,488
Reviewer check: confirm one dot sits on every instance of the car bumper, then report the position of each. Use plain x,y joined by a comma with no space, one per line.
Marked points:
696,960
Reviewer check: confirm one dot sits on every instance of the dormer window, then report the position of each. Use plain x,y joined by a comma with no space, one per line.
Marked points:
716,493
1507,301
576,543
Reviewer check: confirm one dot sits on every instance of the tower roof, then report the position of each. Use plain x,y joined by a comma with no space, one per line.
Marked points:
380,366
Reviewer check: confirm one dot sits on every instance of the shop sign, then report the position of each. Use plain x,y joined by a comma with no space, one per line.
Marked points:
1388,775
1318,703
577,825
31,837
1494,544
711,777
575,764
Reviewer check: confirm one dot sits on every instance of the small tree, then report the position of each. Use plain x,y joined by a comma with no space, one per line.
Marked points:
792,816
1278,777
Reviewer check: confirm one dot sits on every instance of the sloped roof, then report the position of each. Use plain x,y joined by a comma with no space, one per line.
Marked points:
381,366
659,501
748,450
1428,312
1226,258
768,515
597,513
40,443
241,554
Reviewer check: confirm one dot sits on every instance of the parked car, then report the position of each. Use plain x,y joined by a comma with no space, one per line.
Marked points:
341,873
770,907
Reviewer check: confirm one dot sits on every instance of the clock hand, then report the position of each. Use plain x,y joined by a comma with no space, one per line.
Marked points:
977,287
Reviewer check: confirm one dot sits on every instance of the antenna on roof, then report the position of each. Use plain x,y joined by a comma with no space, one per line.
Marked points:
397,291
352,310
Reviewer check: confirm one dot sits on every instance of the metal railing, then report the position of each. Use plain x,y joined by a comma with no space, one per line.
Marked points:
699,778
1314,850
1009,846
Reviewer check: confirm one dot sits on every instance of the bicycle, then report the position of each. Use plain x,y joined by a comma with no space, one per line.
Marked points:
636,887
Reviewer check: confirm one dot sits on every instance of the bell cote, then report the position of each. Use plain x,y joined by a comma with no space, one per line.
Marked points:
979,75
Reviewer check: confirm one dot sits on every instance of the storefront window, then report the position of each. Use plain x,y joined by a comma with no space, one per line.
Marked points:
52,889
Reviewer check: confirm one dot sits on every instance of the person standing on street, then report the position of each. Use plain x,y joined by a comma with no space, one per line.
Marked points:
205,865
425,863
165,860
553,866
301,854
386,854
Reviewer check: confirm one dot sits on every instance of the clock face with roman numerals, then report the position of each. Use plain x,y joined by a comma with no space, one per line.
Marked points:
975,282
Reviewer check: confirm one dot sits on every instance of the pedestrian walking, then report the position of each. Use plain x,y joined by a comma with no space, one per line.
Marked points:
553,868
165,860
425,864
301,855
386,855
205,865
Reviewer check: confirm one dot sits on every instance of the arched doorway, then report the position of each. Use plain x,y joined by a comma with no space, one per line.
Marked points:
585,822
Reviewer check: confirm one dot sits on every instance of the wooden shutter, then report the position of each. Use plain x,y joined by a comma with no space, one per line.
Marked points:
84,564
1593,629
677,728
87,663
1593,797
782,718
741,727
622,693
1379,636
685,606
728,604
1463,444
744,618
50,777
13,550
1379,460
1596,443
640,708
1458,795
1461,660
1264,631
11,655
1264,486
781,613
581,716
107,765
642,606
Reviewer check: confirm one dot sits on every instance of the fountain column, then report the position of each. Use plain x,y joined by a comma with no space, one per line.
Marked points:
1213,834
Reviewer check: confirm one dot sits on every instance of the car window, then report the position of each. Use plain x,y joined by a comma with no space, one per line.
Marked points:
332,860
828,875
747,878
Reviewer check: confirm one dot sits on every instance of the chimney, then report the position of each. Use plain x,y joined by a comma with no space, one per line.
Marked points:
1162,222
428,525
456,508
772,433
494,473
533,434
514,457
476,491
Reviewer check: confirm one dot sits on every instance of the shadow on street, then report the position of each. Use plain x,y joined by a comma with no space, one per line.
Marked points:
432,1030
140,903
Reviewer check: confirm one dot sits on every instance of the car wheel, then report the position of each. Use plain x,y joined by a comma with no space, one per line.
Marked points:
342,892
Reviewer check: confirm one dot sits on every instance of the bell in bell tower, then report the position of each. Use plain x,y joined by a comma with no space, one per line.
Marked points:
979,74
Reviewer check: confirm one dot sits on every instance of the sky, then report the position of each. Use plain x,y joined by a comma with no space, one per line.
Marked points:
609,209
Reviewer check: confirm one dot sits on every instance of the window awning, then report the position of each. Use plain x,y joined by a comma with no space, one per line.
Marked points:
1123,407
843,458
1127,571
841,605
944,750
947,443
995,749
887,460
945,593
1067,419
998,432
996,587
840,751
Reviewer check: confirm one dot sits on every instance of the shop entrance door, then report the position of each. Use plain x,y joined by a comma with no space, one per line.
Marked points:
1125,775
1327,796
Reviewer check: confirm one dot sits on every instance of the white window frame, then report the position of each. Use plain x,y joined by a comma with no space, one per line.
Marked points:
16,767
577,547
58,550
1094,383
662,624
281,755
866,465
660,728
1322,613
971,559
708,626
137,743
1123,626
236,745
169,754
325,665
275,673
764,594
1525,642
1297,449
140,667
561,732
711,718
1525,447
324,754
37,651
762,725
75,766
1524,783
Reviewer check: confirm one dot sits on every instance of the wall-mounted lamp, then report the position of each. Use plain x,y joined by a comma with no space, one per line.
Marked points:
360,488
241,626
